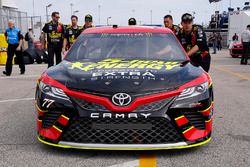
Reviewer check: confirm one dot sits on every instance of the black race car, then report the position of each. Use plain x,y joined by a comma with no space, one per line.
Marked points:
127,88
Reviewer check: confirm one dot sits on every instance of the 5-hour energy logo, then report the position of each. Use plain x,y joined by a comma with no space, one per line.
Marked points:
124,64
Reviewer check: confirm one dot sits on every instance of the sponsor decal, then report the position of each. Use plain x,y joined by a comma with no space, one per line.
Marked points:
120,115
122,74
124,64
47,103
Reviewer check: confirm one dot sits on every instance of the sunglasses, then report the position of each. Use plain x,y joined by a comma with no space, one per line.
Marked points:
187,17
58,17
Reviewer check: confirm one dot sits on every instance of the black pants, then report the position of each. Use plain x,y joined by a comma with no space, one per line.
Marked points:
245,52
205,63
11,51
52,51
219,45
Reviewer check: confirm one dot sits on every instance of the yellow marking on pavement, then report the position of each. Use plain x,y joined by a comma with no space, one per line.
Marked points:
232,73
147,161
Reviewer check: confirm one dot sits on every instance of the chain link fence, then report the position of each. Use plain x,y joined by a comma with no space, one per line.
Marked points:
20,19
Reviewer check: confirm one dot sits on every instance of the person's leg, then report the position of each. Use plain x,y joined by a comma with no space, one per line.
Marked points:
247,53
58,52
51,54
206,61
214,47
19,56
10,55
243,54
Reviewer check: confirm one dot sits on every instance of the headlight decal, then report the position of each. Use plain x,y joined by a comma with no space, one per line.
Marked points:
52,91
193,91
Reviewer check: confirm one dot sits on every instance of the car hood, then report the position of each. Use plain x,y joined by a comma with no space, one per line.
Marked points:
119,75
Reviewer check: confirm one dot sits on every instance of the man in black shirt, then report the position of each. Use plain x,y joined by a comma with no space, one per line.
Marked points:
88,22
193,39
71,33
168,23
54,31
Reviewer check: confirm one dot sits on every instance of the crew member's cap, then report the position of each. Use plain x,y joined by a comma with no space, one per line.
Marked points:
88,18
187,17
131,21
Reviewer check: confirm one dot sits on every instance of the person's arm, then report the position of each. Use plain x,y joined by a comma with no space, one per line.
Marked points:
20,37
43,35
201,43
194,50
32,37
65,41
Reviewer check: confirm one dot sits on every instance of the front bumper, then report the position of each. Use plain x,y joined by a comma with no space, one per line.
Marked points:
70,145
190,127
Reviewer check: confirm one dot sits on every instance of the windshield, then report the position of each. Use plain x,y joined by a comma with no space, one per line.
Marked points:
147,46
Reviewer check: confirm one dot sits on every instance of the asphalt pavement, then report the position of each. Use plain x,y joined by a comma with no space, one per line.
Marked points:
230,145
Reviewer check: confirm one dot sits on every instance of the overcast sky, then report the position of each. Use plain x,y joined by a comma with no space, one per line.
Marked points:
121,10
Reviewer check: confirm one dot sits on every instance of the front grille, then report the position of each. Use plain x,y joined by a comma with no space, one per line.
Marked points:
121,131
50,118
236,51
155,106
195,118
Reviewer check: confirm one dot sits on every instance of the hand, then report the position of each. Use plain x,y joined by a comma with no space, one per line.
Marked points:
63,51
18,48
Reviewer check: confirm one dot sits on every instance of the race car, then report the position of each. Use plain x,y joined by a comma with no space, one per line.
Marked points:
125,88
236,49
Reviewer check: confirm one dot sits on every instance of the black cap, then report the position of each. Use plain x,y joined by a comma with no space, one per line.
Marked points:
131,21
88,18
187,17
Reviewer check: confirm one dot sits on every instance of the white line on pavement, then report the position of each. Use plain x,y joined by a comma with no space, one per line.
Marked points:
15,100
22,76
134,163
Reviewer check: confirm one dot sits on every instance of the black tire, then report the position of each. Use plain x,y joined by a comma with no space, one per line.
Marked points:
38,56
27,56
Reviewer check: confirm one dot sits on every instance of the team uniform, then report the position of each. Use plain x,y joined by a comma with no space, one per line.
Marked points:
13,37
84,27
54,41
196,37
175,29
71,34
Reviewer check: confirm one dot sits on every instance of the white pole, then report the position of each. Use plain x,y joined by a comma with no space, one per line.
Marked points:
99,14
151,17
33,7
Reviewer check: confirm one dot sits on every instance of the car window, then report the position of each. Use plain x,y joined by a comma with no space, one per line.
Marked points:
127,45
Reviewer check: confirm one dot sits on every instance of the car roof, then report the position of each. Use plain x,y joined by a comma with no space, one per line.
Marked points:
128,29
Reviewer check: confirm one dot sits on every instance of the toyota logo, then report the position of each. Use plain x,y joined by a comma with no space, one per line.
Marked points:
121,99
